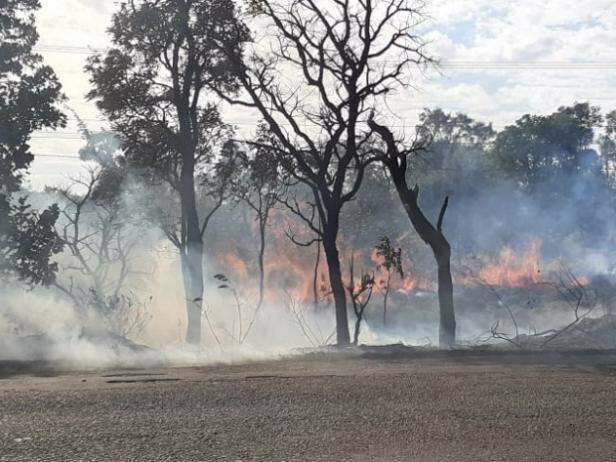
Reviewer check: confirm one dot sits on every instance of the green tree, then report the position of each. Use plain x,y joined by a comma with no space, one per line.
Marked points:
542,153
152,84
458,143
30,95
607,145
28,242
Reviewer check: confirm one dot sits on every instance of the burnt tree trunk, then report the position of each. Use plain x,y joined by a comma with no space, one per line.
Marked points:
434,237
330,235
447,329
396,163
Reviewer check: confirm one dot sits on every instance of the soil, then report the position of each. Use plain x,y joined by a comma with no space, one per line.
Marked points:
375,405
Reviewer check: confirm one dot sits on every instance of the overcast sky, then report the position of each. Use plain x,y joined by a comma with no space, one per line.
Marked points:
502,59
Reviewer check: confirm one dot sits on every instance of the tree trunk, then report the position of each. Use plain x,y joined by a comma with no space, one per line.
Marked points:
192,258
263,218
357,331
385,298
192,273
315,278
447,330
397,164
335,279
441,249
262,227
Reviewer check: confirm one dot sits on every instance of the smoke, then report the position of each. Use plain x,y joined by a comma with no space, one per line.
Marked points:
40,326
509,245
43,325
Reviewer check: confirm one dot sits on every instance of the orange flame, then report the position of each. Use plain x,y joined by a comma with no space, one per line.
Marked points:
290,268
514,271
411,282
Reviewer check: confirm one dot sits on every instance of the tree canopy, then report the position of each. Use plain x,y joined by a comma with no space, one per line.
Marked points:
546,150
30,99
30,92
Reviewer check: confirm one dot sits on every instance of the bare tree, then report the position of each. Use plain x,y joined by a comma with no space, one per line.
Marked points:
581,300
100,241
345,57
261,188
396,161
311,329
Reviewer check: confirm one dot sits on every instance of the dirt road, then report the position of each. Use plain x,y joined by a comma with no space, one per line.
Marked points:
451,407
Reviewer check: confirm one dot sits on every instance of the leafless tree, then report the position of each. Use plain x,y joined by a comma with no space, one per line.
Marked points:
396,159
311,330
260,185
345,57
101,243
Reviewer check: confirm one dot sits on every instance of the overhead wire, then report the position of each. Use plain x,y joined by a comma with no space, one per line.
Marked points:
447,64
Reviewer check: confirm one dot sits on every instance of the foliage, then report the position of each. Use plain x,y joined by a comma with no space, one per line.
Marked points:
29,91
152,83
392,258
29,97
28,242
541,151
607,146
452,143
360,293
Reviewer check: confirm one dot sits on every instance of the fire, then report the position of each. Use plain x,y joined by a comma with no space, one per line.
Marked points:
292,269
290,272
234,264
287,270
411,282
414,284
512,270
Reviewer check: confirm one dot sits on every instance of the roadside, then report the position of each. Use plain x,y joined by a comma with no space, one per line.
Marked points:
471,406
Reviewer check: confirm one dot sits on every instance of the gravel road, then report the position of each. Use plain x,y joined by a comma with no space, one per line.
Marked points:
439,407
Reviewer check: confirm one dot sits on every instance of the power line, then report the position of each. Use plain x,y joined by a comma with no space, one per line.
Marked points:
445,64
58,156
67,135
528,65
67,49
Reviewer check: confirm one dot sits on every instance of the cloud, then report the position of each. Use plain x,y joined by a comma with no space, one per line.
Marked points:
484,31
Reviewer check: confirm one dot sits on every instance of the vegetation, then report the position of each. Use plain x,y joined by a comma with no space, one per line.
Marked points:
153,86
324,166
30,98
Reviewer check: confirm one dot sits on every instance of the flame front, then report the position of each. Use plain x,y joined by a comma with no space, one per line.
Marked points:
512,270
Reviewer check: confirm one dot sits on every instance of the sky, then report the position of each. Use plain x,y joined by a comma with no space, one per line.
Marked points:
500,59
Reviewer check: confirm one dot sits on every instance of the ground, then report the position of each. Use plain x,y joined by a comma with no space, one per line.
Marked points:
458,406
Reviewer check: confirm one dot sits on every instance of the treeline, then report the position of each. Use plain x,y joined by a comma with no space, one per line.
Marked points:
544,176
